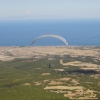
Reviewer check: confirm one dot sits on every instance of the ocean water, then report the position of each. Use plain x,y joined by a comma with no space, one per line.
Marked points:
76,32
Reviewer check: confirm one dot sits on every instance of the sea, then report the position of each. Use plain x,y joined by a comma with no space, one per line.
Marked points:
79,32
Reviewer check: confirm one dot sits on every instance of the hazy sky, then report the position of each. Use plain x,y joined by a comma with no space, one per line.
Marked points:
49,9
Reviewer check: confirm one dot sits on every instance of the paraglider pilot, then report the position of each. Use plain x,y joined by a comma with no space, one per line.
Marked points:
49,65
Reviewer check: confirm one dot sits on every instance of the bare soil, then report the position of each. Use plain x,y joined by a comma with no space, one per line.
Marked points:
12,52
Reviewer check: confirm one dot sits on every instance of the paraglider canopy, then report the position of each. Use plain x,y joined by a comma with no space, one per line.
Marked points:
51,35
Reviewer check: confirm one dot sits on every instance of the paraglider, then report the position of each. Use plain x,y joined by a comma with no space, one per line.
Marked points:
54,36
51,35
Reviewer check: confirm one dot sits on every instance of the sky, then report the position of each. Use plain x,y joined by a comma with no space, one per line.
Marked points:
49,9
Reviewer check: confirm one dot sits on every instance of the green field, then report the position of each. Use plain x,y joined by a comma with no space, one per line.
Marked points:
14,74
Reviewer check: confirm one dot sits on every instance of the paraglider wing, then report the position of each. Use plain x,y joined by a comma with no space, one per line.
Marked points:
51,35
